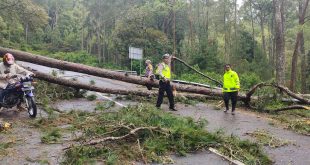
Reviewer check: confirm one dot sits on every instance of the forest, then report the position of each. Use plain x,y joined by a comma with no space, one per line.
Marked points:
264,40
91,112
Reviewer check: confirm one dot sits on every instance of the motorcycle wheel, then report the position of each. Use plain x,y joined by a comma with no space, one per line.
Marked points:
32,107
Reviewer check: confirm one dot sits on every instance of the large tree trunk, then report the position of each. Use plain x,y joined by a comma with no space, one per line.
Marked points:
63,65
262,20
78,85
190,23
298,44
246,99
253,30
279,35
235,40
226,55
26,30
75,84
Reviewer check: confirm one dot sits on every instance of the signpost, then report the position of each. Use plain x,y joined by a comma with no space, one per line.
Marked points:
136,54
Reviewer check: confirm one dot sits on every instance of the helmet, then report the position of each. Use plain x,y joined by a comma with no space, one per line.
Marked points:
147,61
8,59
166,56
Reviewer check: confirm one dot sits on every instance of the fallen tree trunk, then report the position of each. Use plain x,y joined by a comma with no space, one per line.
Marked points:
41,60
78,85
64,65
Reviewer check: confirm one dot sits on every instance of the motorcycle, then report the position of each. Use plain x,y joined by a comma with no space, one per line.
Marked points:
18,92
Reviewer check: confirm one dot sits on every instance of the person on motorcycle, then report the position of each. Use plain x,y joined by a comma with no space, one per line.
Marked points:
8,71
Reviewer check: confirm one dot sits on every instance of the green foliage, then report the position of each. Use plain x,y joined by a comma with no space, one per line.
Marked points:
205,32
91,97
78,57
170,134
268,98
248,80
47,92
253,154
88,155
195,77
52,136
267,139
296,120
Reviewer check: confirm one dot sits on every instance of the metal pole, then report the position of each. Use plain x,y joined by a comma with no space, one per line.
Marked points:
130,64
140,66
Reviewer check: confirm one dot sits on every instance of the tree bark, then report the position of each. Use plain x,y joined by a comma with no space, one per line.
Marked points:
279,39
26,29
225,36
236,40
301,99
253,30
79,85
100,72
262,20
174,29
190,23
298,45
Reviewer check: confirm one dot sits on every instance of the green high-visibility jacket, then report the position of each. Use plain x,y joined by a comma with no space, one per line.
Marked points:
231,81
163,70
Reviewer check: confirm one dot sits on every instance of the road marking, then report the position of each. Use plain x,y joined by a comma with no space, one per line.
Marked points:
105,97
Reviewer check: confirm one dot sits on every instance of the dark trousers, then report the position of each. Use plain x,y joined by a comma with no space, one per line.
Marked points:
230,96
2,92
165,87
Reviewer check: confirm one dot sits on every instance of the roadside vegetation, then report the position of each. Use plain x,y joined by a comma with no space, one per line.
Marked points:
141,133
297,120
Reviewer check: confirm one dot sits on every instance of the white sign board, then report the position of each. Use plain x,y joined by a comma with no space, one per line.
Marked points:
135,53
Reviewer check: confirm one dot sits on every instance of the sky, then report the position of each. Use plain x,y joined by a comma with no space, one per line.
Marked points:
240,2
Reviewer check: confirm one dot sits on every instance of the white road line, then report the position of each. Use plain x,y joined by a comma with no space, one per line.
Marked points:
105,97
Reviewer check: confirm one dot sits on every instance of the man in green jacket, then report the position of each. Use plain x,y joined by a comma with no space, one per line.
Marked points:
231,86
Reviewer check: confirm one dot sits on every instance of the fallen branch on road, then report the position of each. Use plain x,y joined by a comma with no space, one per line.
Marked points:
293,107
280,87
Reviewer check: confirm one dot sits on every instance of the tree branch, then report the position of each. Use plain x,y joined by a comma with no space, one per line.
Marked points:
282,88
132,132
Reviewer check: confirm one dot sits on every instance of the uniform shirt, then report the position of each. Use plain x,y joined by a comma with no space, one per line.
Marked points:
231,81
163,70
11,70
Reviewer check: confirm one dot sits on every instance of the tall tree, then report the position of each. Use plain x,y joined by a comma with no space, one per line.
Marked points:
299,44
280,42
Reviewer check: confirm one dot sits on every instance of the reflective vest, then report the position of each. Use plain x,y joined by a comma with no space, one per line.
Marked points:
231,81
165,71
